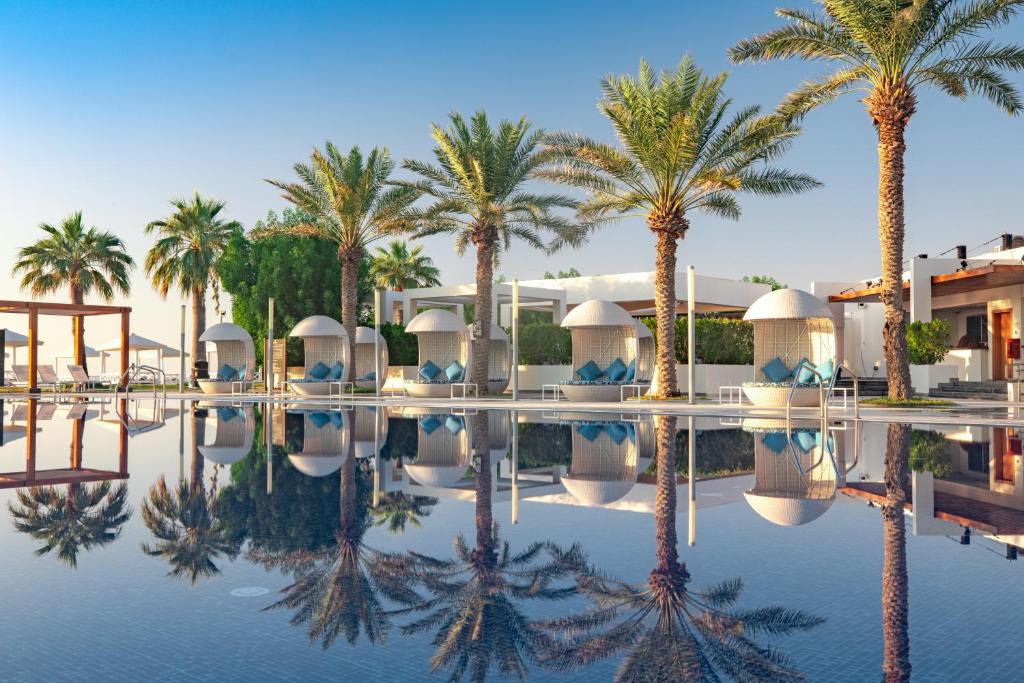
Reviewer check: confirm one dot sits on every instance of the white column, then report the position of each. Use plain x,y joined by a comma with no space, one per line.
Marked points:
268,351
920,290
408,310
691,336
378,380
515,344
558,309
692,478
181,348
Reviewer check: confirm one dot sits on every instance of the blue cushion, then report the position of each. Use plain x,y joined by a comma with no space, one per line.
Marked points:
318,371
826,370
319,419
240,375
631,432
336,419
805,376
775,441
805,440
225,414
630,371
226,373
371,375
617,431
776,370
453,424
616,371
428,370
589,372
454,371
589,431
337,372
429,424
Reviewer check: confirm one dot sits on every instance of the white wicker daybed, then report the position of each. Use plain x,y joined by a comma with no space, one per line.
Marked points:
367,377
795,479
444,450
236,427
604,351
236,358
324,443
605,461
325,355
367,422
499,361
790,326
443,353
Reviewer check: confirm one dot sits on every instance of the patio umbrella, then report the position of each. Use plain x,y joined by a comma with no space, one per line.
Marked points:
15,341
136,344
69,354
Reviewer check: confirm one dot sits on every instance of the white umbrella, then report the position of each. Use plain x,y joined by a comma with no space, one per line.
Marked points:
90,352
14,341
136,344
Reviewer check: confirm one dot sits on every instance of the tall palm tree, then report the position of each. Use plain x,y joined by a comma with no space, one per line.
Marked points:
888,51
681,153
85,260
186,254
473,598
671,632
397,268
349,203
477,195
895,589
184,522
397,508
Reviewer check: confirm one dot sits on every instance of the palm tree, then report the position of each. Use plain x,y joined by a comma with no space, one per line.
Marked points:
890,50
184,521
672,632
895,589
476,192
397,268
473,597
681,153
85,260
186,254
349,204
397,508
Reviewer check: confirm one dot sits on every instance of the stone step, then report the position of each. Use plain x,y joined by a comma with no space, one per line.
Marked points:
975,395
985,389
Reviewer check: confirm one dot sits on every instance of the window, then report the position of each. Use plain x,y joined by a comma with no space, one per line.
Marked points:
977,457
977,329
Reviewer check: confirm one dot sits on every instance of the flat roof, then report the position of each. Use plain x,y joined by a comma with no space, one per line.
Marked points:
54,308
992,276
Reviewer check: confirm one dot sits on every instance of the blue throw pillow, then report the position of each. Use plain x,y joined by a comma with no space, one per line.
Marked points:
318,371
616,371
226,373
827,369
805,440
805,376
371,375
589,431
453,424
775,370
630,372
429,424
240,375
319,419
589,372
428,370
336,419
225,414
337,372
775,441
617,431
454,371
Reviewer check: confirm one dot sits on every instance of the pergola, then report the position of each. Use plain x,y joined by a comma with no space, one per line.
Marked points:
76,311
535,298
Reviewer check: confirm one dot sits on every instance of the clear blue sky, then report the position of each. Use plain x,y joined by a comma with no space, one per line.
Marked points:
114,108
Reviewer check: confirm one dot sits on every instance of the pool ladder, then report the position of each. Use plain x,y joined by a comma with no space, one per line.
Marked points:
824,394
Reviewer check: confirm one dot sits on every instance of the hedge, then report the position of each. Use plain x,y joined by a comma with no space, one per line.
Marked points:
544,344
928,342
720,341
403,348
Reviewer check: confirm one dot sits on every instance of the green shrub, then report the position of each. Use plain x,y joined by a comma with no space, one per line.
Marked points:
929,452
720,341
544,344
928,342
403,348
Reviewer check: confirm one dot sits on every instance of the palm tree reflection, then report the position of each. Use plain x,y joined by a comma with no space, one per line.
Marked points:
397,508
668,631
895,609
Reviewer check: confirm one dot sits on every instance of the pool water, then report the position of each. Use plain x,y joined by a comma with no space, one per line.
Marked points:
157,540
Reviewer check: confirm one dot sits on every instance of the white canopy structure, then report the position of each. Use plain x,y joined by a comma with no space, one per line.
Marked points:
443,453
236,358
235,428
137,345
324,443
790,326
605,462
604,351
499,360
371,430
367,340
325,347
499,434
443,342
14,341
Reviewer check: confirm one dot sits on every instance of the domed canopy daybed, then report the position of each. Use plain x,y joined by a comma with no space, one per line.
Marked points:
443,353
645,356
233,439
795,479
499,434
325,355
324,443
443,450
367,422
366,368
499,361
790,326
605,461
604,351
236,358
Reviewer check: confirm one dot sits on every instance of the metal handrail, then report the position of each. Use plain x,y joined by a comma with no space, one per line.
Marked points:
824,396
132,374
796,383
856,387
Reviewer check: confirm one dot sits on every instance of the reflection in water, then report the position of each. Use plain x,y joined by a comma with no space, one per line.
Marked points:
395,509
895,589
184,521
669,632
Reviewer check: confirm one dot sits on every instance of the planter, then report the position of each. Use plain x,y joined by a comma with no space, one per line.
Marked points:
769,396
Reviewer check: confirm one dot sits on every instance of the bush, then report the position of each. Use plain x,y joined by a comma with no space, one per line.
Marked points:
720,341
403,348
927,343
929,452
544,344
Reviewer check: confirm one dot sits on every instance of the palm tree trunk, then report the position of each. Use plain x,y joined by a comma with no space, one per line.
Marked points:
895,609
350,258
480,432
665,494
347,501
78,327
665,313
198,327
483,314
400,311
198,424
891,109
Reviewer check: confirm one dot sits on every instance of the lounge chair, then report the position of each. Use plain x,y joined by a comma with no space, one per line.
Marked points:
45,375
80,380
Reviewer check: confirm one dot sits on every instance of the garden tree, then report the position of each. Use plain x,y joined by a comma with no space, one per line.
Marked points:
895,588
572,272
347,202
889,50
764,280
186,256
184,520
681,153
929,452
669,631
477,194
396,267
85,260
928,342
